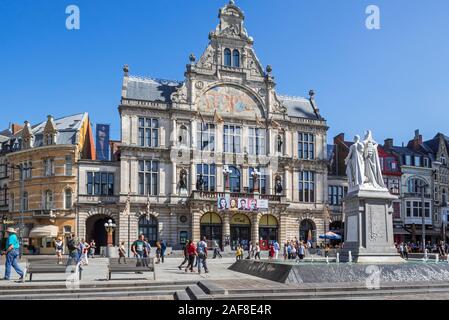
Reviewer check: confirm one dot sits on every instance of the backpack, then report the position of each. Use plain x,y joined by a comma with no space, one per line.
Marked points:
71,245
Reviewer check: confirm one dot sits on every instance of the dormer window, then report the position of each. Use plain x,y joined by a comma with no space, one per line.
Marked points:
227,57
49,139
236,59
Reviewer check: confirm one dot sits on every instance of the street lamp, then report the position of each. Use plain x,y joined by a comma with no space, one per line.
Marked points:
110,226
423,186
227,172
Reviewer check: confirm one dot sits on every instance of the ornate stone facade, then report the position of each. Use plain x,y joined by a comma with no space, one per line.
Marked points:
178,137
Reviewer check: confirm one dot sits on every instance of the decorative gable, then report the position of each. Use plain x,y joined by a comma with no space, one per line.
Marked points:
27,136
50,131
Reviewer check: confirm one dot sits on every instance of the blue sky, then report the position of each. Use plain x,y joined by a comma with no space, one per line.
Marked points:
393,80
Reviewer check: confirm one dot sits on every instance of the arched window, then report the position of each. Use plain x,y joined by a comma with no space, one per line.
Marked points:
234,179
415,184
227,57
444,198
68,199
236,59
148,226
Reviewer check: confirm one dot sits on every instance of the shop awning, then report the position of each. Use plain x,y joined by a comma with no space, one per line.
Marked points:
44,231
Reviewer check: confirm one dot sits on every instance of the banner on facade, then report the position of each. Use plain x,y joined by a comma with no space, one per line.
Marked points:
241,204
102,142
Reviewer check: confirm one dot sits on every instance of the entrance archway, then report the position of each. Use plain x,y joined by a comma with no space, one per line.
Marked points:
240,231
268,231
95,230
148,226
211,228
307,231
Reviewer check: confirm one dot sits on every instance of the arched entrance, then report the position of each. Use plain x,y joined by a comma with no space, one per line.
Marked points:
148,226
95,230
240,231
211,228
268,231
307,231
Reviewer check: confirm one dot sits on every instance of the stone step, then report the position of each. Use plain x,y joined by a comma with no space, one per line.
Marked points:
91,295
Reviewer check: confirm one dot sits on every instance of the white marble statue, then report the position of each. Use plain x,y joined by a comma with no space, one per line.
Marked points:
355,165
363,165
373,170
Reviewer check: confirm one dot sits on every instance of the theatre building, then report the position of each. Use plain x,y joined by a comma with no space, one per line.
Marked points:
220,154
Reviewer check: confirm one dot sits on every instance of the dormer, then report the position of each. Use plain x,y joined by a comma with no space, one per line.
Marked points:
50,131
27,136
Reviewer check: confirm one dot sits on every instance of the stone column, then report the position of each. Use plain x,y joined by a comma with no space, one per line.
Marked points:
255,228
196,221
162,186
226,231
282,228
192,177
133,130
295,188
173,178
193,130
173,135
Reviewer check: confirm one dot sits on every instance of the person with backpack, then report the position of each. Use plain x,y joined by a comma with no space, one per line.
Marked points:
72,246
191,250
59,246
202,255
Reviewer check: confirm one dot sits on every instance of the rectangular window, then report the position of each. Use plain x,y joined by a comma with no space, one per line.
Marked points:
110,184
426,162
408,160
306,186
68,165
417,161
49,168
306,146
408,211
335,195
97,183
148,177
396,210
209,176
232,138
262,180
257,141
148,133
206,137
90,183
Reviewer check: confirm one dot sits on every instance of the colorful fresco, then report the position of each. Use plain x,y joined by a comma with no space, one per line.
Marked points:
229,100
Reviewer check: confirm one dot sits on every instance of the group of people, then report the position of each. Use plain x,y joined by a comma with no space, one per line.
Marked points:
297,250
195,256
79,250
253,251
405,248
141,250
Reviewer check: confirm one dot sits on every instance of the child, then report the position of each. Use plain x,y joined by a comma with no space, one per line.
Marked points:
122,252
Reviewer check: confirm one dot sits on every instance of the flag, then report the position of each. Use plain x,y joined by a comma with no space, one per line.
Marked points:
217,117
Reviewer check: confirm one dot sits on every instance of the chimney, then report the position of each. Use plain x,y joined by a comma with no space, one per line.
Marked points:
388,143
418,137
16,128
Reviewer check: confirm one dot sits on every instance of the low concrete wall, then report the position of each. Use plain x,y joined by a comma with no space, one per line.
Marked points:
343,272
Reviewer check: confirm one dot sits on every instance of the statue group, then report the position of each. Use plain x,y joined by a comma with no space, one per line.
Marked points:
363,165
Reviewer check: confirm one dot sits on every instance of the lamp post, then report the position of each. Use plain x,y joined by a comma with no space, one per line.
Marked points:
423,186
227,172
110,226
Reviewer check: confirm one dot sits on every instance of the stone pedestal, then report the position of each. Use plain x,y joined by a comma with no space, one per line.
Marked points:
111,252
369,227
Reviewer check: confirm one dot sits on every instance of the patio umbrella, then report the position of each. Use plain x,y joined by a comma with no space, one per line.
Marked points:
331,236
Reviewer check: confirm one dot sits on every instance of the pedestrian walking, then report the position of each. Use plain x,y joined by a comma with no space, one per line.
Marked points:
202,255
92,248
139,249
122,253
250,250
191,250
257,255
158,252
163,249
12,253
285,252
276,249
301,251
146,253
59,246
216,250
84,249
186,256
72,246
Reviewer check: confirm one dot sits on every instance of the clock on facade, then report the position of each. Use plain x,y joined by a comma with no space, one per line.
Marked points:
183,219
